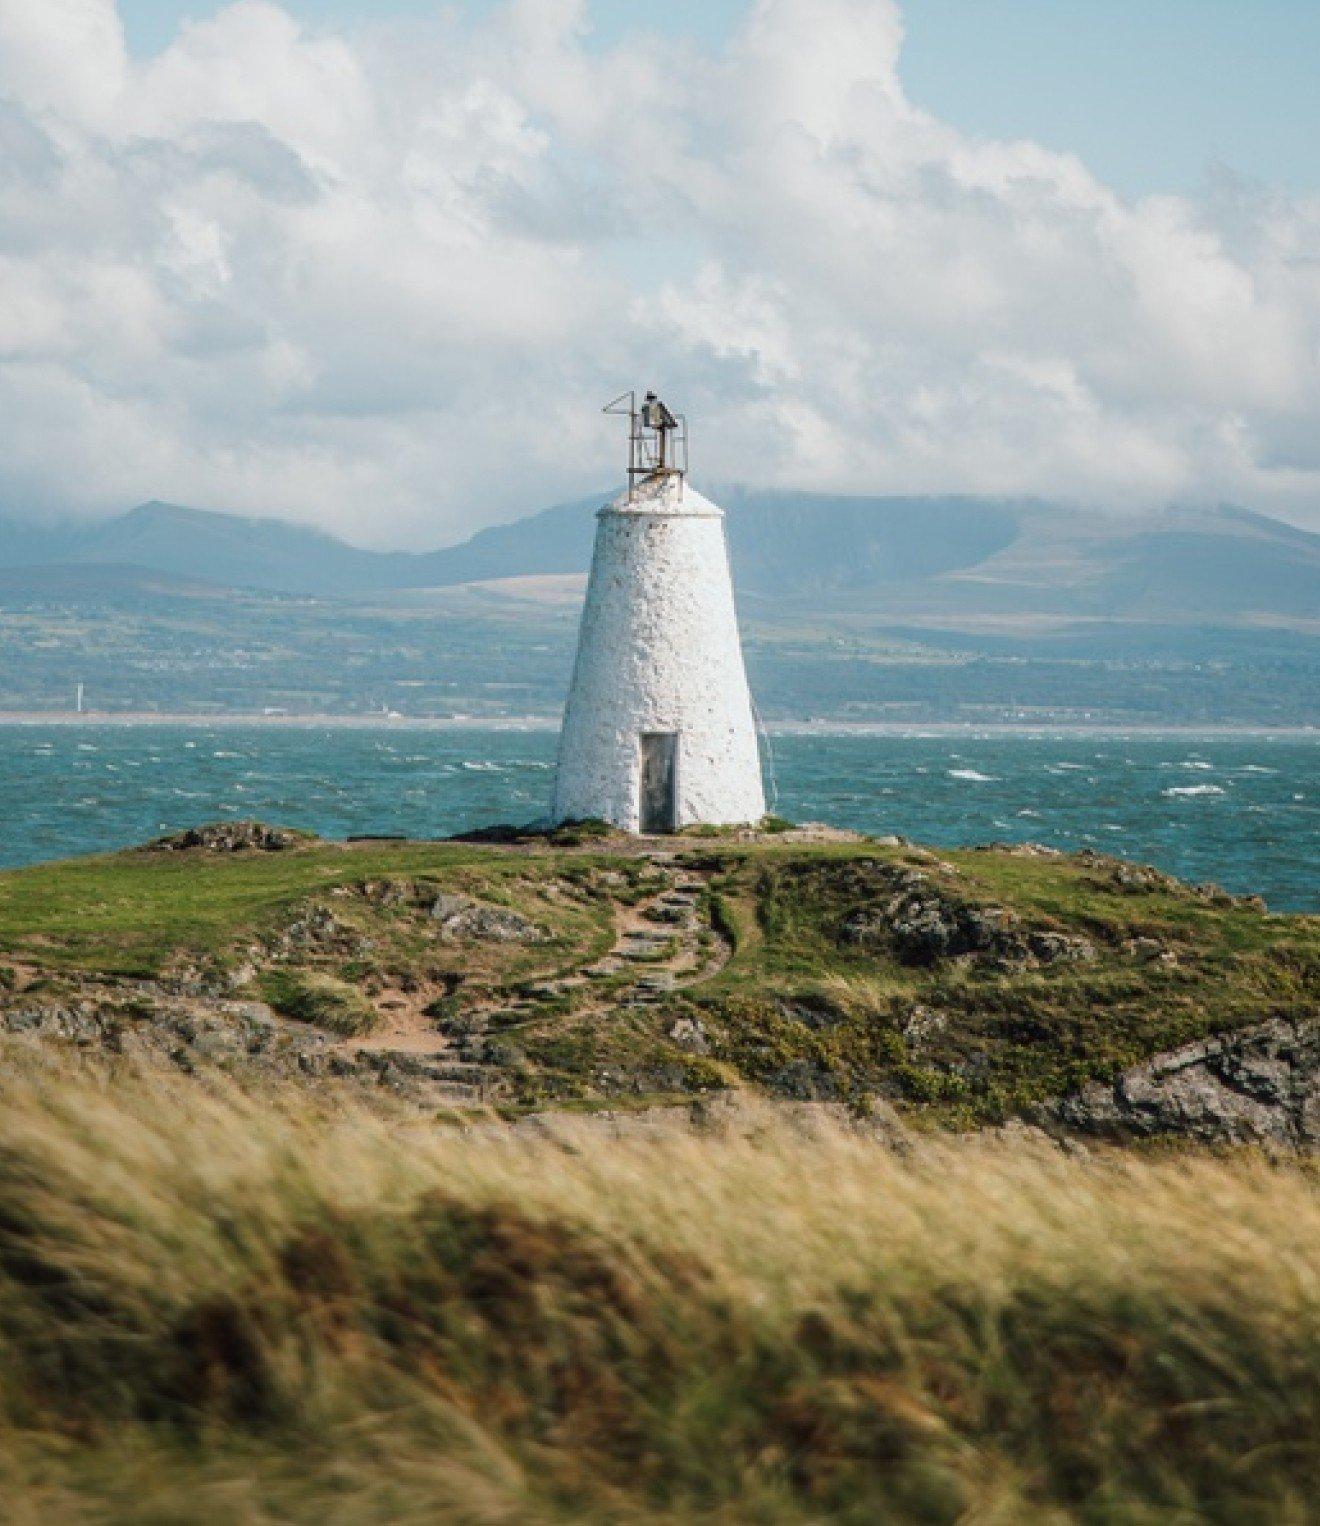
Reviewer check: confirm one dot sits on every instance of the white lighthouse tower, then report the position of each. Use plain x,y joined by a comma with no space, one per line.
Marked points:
658,730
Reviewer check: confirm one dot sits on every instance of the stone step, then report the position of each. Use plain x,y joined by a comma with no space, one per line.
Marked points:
431,1067
507,1017
457,1091
667,916
661,981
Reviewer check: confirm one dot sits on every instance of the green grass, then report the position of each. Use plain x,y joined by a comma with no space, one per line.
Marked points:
133,913
799,1010
225,1309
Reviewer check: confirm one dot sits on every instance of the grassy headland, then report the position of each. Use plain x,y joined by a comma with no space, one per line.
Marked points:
965,986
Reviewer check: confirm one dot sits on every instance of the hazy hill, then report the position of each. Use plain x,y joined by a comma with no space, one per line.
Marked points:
216,548
943,558
280,557
853,608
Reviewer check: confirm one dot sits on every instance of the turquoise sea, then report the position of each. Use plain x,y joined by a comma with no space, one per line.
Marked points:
1243,810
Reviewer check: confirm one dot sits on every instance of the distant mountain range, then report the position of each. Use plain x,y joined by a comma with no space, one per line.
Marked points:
944,560
909,609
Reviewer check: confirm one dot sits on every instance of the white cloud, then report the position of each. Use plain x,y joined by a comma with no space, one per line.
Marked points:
67,56
381,281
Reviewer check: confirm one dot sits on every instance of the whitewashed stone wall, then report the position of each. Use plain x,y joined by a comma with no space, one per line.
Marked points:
659,651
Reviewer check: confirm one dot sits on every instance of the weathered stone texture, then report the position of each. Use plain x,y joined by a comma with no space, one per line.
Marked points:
659,652
232,837
1259,1085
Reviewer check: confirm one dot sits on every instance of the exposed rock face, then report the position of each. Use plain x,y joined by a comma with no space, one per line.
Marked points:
923,924
316,929
231,837
1260,1085
1144,879
1021,849
230,1031
240,1038
690,1033
460,918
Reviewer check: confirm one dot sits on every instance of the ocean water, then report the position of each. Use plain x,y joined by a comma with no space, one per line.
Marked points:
1242,810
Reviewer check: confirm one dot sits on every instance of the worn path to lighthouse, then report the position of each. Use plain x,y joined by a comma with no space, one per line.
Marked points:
663,944
659,730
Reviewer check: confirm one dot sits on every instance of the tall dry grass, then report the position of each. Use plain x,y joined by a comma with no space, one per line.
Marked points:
217,1307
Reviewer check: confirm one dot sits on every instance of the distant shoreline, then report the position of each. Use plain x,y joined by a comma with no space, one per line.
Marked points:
912,729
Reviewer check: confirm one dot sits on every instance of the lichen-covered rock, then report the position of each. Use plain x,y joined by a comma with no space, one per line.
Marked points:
922,1023
460,918
81,1023
922,924
1260,1085
317,929
232,837
1060,948
690,1033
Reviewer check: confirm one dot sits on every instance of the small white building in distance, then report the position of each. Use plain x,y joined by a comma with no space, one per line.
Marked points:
658,730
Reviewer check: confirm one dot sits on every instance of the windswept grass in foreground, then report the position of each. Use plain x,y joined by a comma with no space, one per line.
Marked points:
215,1308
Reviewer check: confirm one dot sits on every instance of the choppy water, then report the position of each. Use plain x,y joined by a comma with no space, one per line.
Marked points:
1242,810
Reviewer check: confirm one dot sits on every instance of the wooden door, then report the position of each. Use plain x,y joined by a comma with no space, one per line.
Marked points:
659,781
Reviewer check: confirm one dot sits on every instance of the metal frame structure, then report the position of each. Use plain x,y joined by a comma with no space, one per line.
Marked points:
651,451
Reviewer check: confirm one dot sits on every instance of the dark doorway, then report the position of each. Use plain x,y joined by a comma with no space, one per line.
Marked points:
659,781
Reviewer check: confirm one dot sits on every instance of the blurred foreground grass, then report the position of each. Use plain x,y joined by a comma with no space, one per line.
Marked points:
217,1307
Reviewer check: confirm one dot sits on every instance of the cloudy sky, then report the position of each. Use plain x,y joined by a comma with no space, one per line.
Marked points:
375,266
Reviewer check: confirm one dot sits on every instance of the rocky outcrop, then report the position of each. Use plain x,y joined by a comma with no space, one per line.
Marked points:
231,837
459,918
227,1032
1128,878
921,923
315,929
242,1039
690,1033
1260,1085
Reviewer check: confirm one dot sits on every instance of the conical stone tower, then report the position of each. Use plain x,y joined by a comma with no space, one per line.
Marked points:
658,730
